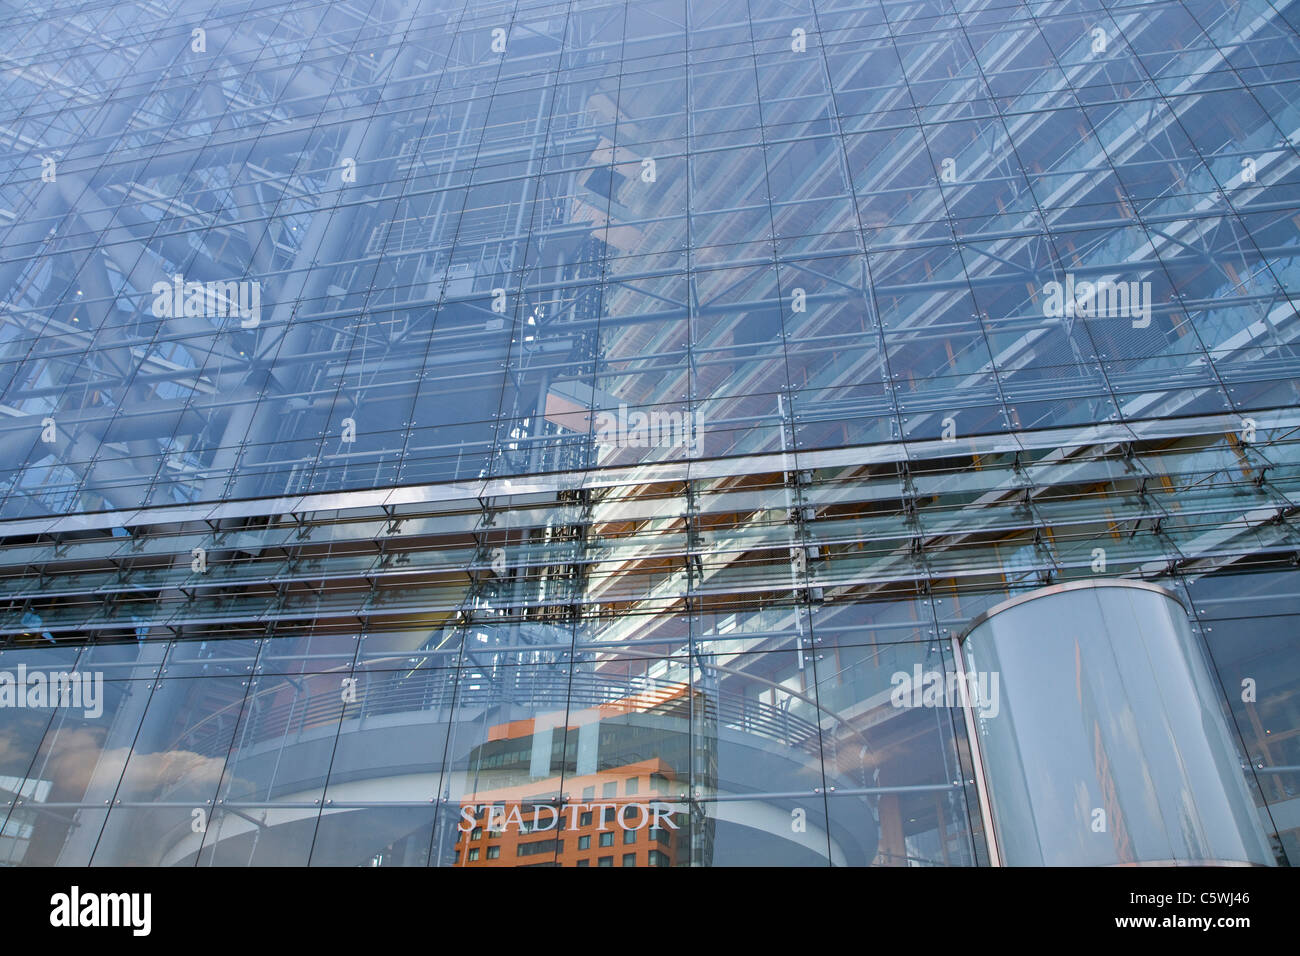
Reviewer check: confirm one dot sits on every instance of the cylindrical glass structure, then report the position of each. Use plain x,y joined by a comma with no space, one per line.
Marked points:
1101,739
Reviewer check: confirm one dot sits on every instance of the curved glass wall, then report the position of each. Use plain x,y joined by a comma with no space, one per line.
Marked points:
1100,734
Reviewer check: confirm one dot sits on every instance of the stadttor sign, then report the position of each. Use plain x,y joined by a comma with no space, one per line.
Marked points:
654,814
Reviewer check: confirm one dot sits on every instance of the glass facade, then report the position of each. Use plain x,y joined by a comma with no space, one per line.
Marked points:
461,432
1104,704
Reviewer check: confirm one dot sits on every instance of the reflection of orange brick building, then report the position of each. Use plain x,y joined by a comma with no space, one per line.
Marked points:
598,839
626,815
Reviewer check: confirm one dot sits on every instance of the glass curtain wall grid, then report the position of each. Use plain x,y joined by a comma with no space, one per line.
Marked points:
464,258
472,433
735,642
